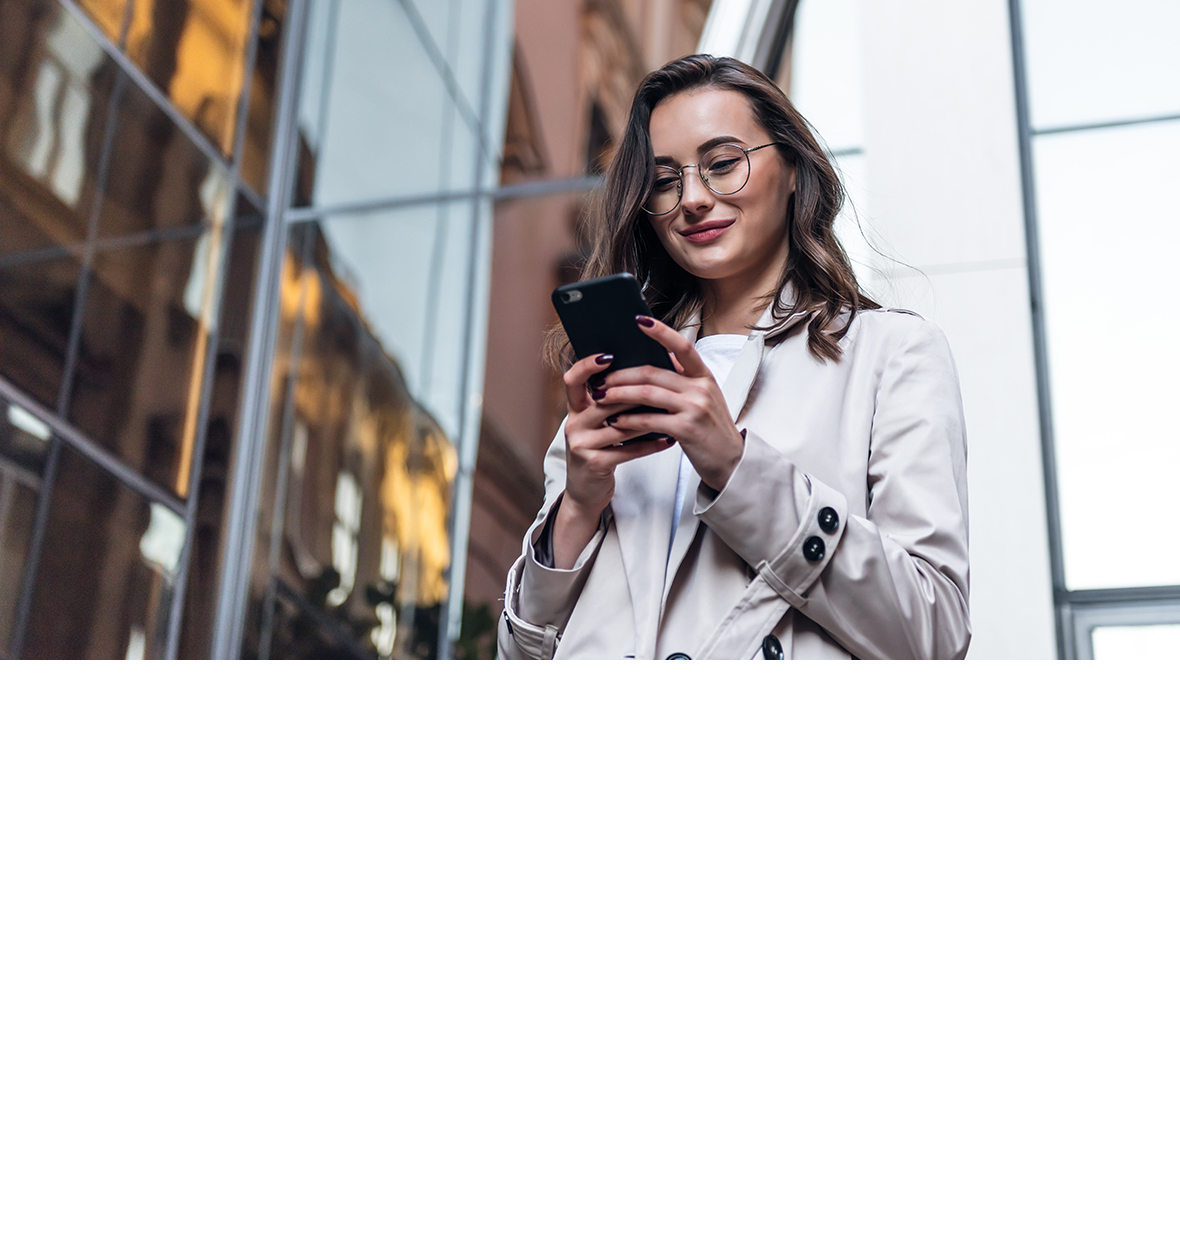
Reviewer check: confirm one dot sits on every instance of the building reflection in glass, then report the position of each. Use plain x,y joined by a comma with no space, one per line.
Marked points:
356,555
138,144
375,398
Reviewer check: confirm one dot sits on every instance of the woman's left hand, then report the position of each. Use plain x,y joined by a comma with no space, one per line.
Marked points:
697,418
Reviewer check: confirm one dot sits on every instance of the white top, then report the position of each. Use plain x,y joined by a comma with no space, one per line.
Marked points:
718,353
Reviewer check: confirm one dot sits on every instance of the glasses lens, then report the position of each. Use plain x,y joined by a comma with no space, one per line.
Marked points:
726,170
665,192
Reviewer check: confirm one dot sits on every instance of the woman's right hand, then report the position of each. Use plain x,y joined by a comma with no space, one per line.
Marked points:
592,452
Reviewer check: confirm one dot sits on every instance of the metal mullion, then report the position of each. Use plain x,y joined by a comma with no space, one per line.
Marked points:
451,616
500,193
447,74
1134,120
73,343
772,42
103,245
278,516
249,444
1085,619
1120,596
213,344
80,442
1040,342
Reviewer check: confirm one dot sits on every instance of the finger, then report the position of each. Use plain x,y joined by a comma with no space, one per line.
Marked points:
644,374
579,375
633,449
647,423
676,344
606,437
585,369
640,394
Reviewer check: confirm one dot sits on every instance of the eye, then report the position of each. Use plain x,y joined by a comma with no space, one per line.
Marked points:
726,163
665,181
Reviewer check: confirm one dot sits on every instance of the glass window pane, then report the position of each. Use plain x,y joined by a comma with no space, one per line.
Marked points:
24,444
409,272
1089,60
260,118
55,85
460,34
357,557
157,178
821,80
36,310
107,15
195,52
141,357
104,580
1112,328
383,134
1138,643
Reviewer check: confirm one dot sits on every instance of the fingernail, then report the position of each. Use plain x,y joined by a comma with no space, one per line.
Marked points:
604,359
597,393
614,417
644,321
669,440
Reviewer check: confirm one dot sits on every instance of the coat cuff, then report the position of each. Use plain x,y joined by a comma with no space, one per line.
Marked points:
538,600
785,524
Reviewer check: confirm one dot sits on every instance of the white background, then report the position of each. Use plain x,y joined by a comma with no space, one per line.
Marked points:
856,950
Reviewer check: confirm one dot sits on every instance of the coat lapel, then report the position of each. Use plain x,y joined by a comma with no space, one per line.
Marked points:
645,491
736,390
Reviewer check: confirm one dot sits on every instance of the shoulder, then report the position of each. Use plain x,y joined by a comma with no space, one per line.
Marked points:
876,335
892,328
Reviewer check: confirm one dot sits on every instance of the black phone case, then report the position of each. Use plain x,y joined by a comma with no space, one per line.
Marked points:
599,317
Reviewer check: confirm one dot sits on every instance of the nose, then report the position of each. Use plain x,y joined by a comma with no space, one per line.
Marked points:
694,193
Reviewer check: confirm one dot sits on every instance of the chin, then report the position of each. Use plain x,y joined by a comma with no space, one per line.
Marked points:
708,267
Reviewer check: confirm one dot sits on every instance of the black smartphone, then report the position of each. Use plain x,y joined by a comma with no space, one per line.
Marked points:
599,317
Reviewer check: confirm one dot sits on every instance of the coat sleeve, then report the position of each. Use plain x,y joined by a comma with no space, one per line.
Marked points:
538,600
890,585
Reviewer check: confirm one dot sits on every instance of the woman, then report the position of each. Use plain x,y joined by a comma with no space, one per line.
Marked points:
807,498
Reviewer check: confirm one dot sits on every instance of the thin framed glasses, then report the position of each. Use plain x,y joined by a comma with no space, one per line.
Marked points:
725,170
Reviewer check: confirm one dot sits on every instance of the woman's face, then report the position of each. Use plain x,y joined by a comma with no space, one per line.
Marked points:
721,236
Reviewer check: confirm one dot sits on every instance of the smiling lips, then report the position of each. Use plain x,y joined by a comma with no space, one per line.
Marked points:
710,230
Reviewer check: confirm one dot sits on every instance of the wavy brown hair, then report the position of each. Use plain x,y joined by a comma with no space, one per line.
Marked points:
817,268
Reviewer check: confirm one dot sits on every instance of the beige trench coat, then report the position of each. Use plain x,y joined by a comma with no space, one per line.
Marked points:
842,532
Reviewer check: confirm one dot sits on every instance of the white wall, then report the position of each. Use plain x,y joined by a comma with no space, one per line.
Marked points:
944,194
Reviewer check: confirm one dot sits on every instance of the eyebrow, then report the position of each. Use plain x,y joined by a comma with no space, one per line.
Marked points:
704,146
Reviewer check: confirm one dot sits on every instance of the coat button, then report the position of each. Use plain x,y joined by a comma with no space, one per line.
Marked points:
679,655
772,648
829,520
813,549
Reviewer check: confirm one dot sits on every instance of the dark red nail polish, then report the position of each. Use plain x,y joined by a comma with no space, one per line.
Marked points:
597,393
669,440
644,320
603,359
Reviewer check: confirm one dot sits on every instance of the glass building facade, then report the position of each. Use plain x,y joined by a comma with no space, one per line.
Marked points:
244,252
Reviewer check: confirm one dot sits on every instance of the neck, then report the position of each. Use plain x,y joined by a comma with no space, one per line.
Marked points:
734,304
